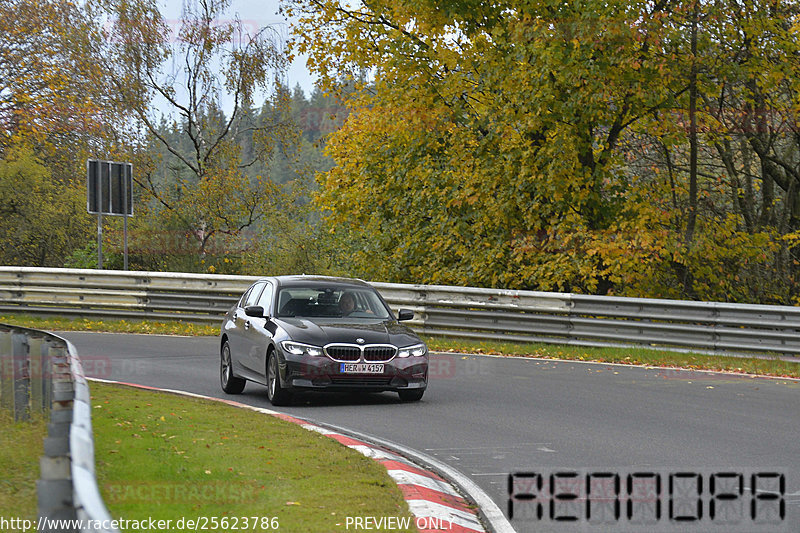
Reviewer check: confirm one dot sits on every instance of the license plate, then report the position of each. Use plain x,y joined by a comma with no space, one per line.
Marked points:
361,368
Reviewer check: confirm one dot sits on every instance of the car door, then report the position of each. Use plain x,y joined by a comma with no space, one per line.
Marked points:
258,334
238,336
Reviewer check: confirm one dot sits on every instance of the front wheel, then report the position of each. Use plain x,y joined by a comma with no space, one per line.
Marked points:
277,395
413,395
229,383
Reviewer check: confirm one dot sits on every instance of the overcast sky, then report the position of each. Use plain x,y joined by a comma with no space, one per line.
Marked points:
255,14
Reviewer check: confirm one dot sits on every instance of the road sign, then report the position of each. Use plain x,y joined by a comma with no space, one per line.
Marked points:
109,191
109,188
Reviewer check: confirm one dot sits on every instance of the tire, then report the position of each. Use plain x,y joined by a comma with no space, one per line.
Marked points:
277,395
413,395
230,384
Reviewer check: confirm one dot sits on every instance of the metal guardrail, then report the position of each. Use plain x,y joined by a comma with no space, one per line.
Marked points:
42,373
464,312
574,319
154,295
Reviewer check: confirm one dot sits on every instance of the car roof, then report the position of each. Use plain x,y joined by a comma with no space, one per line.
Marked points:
305,281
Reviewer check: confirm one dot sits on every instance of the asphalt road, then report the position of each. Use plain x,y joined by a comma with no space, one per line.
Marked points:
489,417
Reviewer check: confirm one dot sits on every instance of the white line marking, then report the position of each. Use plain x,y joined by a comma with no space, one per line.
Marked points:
424,508
312,427
490,510
623,365
375,453
493,448
404,477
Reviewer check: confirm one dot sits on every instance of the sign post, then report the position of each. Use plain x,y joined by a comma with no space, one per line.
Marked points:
109,191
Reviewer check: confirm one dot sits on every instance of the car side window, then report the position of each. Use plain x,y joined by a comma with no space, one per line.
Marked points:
253,295
244,296
265,300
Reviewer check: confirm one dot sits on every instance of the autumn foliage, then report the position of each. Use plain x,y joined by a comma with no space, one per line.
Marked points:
635,148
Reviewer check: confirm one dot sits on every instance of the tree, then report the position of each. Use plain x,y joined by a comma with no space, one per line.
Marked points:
215,64
488,136
42,220
49,83
742,250
591,147
55,112
53,91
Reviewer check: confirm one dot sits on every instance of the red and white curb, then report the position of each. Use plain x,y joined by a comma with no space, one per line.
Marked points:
435,503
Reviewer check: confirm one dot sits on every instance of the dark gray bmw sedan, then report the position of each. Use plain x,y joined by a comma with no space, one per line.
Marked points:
317,333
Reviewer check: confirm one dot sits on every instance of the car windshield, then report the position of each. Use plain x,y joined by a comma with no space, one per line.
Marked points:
331,302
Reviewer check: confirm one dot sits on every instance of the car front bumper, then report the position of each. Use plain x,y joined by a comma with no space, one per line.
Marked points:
323,373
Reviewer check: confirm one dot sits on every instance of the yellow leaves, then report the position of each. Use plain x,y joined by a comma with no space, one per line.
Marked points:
791,239
492,149
48,80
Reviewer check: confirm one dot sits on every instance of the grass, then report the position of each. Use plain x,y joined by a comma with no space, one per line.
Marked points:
59,323
169,457
632,356
21,445
626,356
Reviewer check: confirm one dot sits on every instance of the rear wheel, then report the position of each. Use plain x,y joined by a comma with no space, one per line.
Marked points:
277,395
413,395
229,383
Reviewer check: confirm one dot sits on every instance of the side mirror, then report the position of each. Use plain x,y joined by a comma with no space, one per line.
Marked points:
405,314
254,310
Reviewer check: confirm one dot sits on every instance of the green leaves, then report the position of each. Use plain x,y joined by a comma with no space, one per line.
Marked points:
41,220
197,173
522,115
544,145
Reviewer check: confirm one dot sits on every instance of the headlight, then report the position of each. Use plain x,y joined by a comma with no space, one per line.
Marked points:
417,350
296,348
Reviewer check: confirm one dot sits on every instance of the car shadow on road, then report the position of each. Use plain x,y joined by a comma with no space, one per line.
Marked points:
326,399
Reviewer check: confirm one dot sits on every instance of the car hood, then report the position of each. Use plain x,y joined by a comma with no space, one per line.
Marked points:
320,332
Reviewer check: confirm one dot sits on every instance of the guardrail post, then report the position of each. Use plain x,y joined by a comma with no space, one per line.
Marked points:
6,371
50,352
571,314
715,333
55,486
39,373
62,392
22,380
